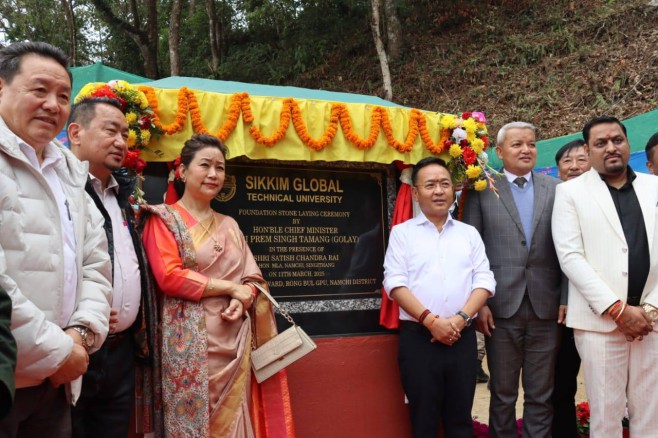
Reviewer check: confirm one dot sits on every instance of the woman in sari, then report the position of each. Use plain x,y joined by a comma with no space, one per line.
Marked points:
205,270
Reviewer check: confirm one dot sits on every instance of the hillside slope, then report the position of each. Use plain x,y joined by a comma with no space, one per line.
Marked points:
554,63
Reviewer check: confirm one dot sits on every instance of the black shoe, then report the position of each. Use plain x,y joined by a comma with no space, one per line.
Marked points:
481,376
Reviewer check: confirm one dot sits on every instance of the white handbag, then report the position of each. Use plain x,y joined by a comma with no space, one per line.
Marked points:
283,349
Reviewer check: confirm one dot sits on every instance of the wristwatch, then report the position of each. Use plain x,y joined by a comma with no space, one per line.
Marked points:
467,318
651,311
87,336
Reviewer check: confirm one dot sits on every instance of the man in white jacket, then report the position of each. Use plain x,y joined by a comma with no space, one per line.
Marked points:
54,262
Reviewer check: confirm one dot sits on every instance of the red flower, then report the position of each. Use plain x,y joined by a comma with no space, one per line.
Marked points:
133,161
447,144
485,140
176,167
582,416
469,156
466,116
144,122
123,103
140,166
463,143
480,430
105,91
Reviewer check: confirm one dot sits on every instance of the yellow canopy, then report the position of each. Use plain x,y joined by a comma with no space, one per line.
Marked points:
293,129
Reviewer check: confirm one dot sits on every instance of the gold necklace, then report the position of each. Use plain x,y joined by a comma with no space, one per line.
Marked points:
217,246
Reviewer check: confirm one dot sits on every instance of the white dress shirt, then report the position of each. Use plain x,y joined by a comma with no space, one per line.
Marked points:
511,177
126,284
441,269
51,157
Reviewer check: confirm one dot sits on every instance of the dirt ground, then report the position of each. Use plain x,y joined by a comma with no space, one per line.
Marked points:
480,410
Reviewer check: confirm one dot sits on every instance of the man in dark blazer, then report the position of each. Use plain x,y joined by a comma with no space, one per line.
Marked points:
572,161
97,134
520,322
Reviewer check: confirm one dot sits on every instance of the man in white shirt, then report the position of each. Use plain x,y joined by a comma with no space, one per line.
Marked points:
437,270
97,133
53,252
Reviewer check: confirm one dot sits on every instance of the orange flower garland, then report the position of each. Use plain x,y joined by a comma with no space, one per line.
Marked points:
241,104
181,112
195,114
353,137
233,115
326,138
408,145
437,148
284,123
245,105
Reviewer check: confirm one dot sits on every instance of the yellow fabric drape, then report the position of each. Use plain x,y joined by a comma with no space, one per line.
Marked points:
215,109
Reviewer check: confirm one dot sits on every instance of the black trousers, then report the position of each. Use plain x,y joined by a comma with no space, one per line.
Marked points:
38,411
566,386
108,391
439,381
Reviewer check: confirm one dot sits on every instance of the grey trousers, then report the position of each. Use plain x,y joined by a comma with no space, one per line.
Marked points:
522,346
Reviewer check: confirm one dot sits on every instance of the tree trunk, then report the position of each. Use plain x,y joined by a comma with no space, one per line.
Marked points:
214,36
190,12
381,52
393,31
73,36
174,38
152,68
146,40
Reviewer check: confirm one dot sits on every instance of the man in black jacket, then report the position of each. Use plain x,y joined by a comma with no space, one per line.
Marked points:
98,132
572,161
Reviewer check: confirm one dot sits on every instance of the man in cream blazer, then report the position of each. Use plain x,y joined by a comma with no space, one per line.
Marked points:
604,226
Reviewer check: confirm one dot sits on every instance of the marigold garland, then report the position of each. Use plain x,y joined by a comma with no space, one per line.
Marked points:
195,114
340,115
233,115
277,136
408,145
245,105
326,138
353,137
435,148
181,112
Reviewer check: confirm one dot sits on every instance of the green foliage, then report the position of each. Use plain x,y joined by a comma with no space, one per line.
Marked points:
22,20
281,40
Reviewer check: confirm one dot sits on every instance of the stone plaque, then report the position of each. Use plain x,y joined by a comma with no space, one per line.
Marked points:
318,235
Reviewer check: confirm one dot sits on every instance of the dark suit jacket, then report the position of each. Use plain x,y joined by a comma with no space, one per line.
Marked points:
143,332
7,355
514,266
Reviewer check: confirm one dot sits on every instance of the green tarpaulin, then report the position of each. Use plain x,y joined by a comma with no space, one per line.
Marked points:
639,129
100,73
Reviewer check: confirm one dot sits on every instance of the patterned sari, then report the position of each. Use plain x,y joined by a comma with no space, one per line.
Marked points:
207,385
